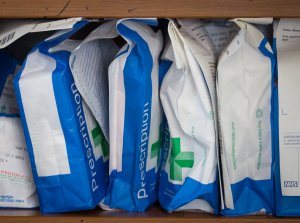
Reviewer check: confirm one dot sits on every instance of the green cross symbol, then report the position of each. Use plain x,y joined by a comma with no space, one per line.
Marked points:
179,160
99,139
156,146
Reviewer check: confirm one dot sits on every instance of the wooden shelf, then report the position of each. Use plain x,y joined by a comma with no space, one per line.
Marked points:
150,8
153,215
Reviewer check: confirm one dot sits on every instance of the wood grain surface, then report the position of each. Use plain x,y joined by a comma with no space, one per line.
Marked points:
153,215
149,8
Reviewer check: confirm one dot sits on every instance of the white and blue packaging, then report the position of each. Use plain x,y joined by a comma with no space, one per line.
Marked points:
245,83
189,175
135,117
62,136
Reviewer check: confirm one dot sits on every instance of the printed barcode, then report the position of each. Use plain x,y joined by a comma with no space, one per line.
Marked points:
7,38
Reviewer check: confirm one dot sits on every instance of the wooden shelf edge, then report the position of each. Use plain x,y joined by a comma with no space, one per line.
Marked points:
153,8
153,215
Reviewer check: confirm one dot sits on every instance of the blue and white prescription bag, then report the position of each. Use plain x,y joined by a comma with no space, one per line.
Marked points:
135,117
64,141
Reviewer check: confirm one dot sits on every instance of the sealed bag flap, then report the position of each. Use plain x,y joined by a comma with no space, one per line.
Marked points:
244,87
89,64
11,30
252,35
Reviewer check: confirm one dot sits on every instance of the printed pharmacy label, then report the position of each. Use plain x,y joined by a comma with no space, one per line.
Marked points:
288,53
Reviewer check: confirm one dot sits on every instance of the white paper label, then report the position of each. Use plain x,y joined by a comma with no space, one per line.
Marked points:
288,52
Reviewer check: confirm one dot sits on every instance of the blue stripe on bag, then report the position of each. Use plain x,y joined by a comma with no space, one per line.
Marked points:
187,192
127,187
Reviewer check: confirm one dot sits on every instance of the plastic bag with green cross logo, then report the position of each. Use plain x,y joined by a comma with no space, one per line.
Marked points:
189,176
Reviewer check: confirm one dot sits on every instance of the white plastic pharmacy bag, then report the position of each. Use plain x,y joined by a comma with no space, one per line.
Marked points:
244,86
189,176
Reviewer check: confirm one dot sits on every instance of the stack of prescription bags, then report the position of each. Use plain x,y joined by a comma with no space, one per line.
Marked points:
124,113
